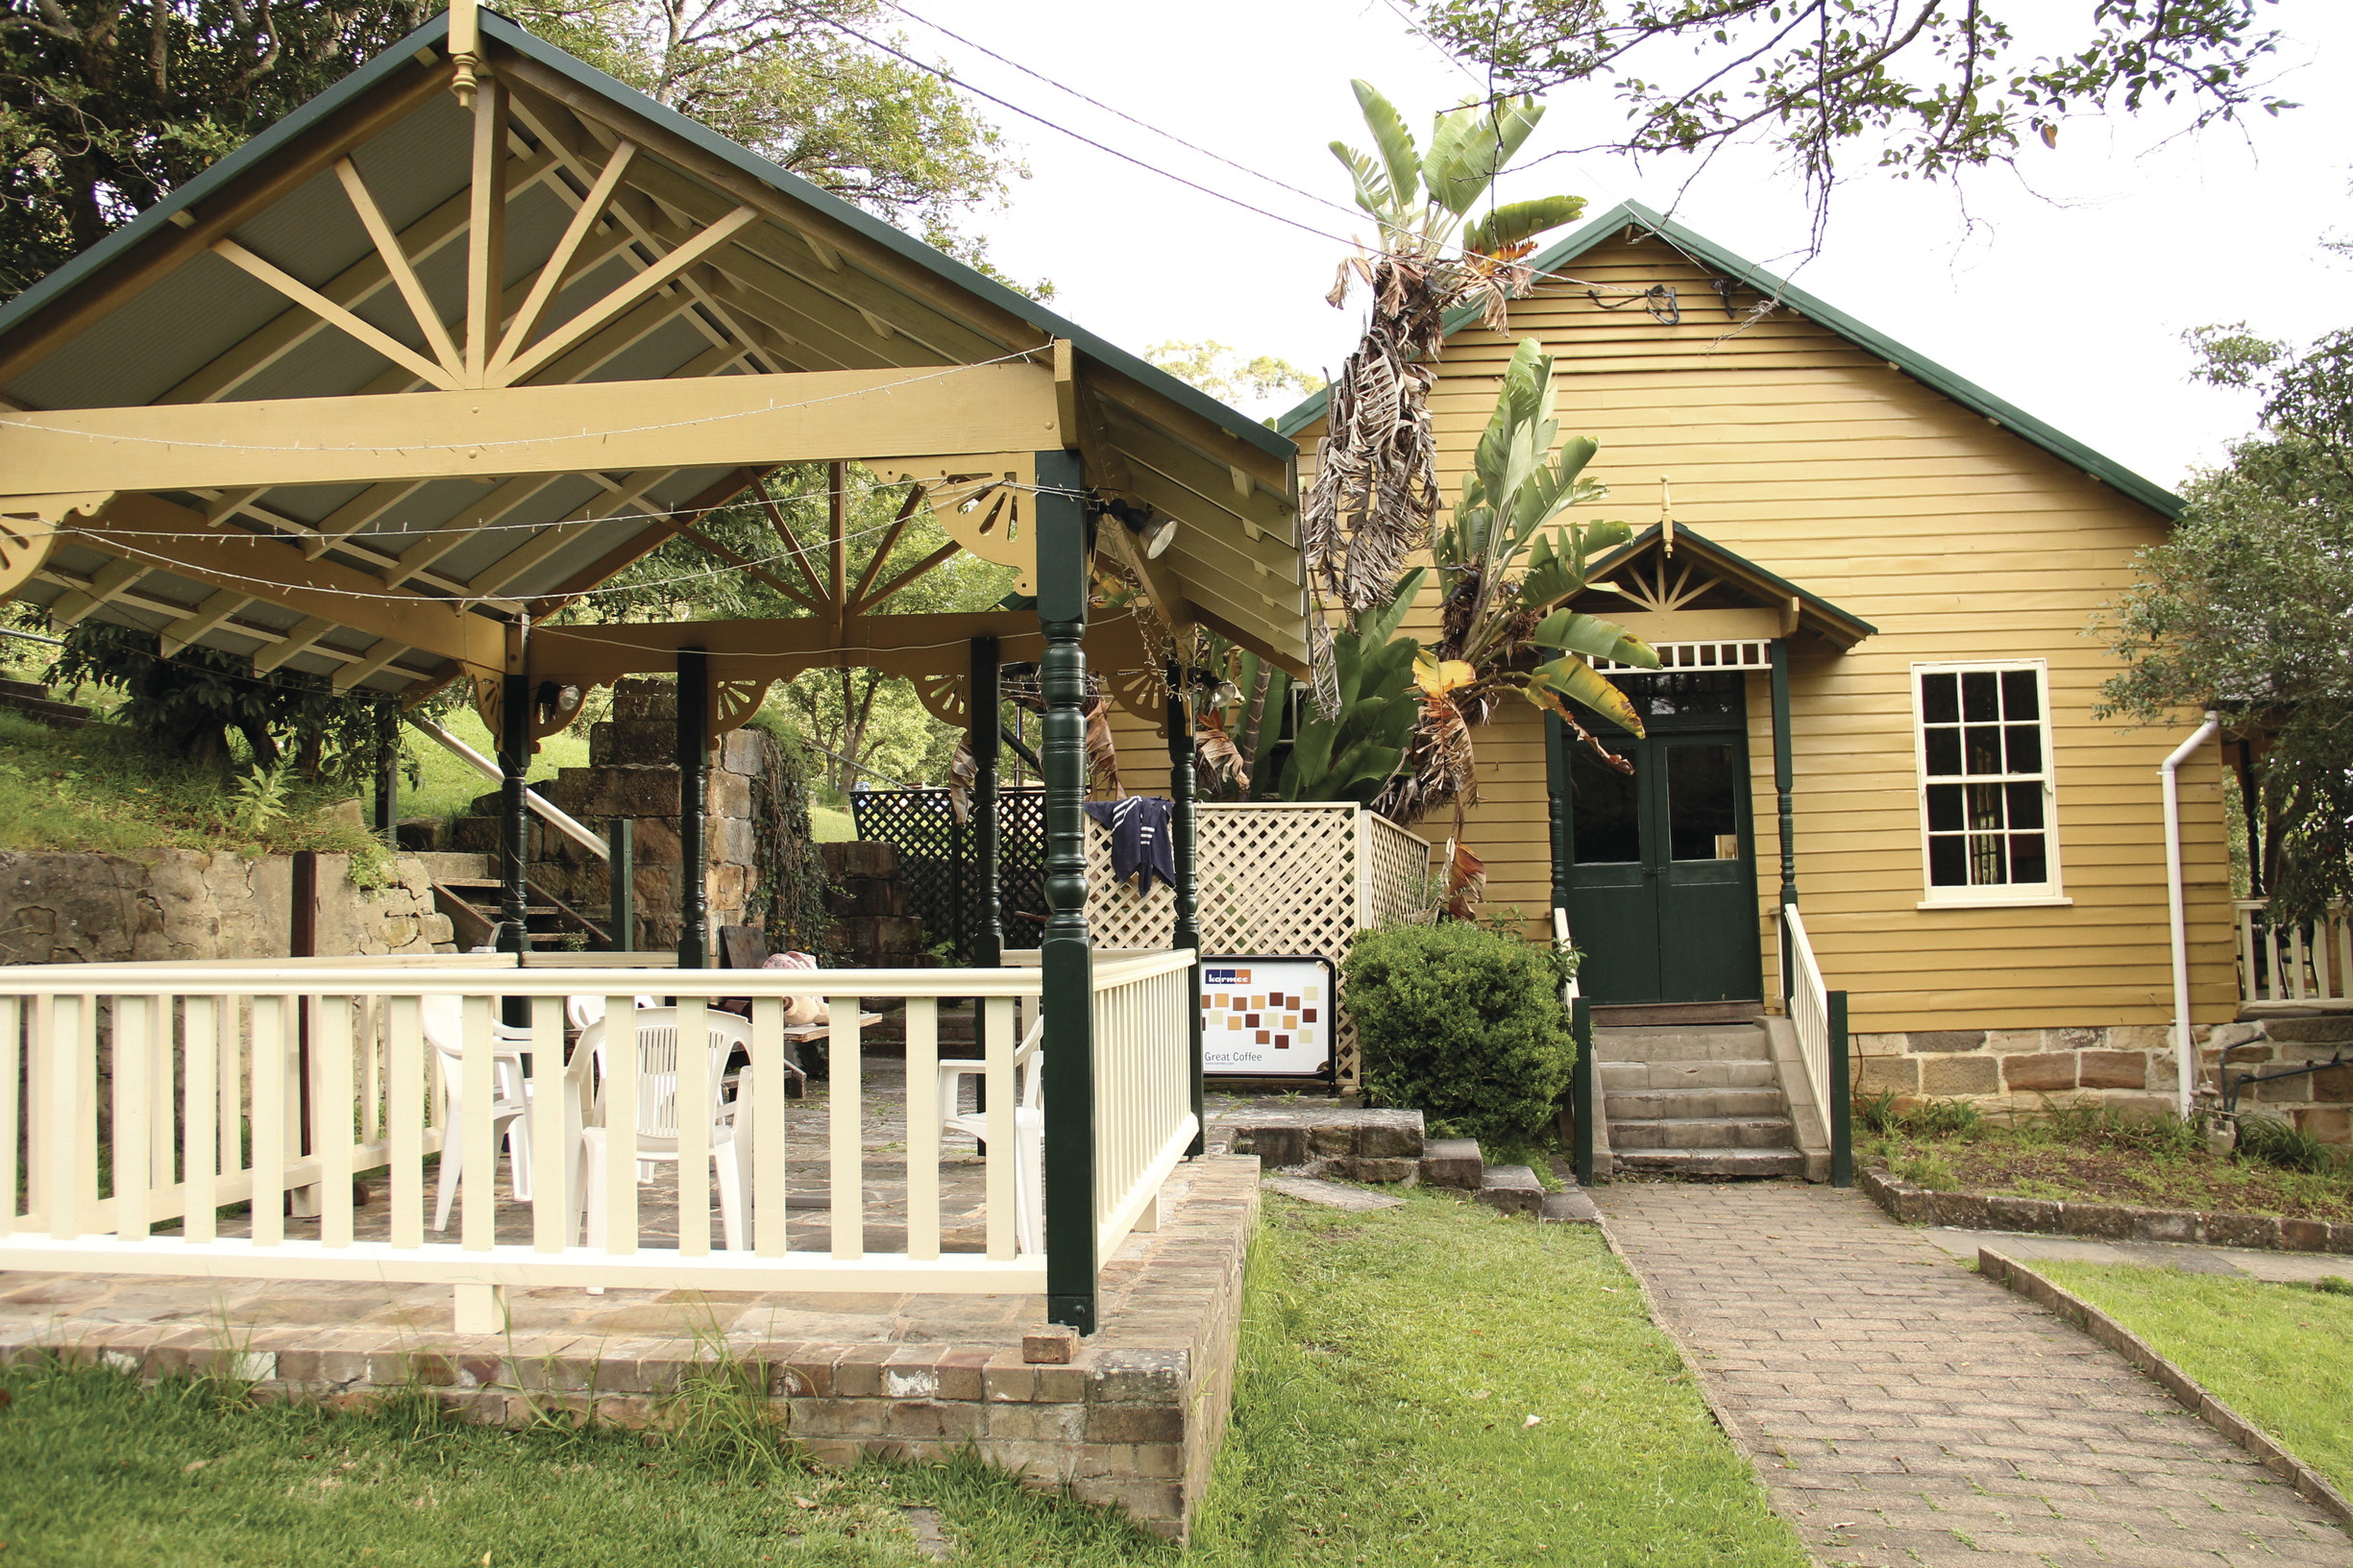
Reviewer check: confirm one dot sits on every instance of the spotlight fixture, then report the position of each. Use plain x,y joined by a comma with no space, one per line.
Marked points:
1153,533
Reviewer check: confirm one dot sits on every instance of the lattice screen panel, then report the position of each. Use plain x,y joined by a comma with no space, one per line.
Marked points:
1274,879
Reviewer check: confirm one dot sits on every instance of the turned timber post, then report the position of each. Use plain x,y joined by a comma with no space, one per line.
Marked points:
693,776
1066,958
1783,782
514,812
1182,837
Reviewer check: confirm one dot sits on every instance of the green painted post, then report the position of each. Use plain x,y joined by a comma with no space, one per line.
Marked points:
1067,956
514,814
1783,782
1183,837
387,822
989,925
1581,1018
1842,1099
620,859
694,725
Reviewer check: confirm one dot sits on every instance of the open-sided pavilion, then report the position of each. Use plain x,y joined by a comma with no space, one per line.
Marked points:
378,398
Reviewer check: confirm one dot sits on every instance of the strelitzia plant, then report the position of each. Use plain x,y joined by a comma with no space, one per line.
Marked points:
1509,559
1376,494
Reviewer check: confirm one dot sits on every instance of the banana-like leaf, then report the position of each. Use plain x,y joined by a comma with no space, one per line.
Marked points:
1374,193
1395,142
1510,224
1578,632
1379,626
1513,121
1310,755
1571,680
1460,164
1605,535
1552,576
1364,766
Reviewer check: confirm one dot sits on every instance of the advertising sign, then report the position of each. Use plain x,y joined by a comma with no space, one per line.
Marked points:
1266,1017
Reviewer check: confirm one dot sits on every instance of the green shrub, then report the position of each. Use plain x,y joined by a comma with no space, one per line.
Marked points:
1462,1023
2277,1143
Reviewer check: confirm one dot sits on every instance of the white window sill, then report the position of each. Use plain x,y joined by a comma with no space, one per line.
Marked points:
2053,902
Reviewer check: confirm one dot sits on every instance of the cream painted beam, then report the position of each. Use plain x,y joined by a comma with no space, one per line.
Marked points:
164,536
769,649
812,416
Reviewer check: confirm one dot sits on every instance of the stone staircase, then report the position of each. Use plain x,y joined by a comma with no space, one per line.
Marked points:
1695,1099
32,699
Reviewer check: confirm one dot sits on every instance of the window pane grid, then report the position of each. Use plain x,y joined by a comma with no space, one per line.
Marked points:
1984,778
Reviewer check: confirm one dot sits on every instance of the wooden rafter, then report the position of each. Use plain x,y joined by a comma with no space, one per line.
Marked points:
328,311
721,491
558,266
605,309
396,266
485,228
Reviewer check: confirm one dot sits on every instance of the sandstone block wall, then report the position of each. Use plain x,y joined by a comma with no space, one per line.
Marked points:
191,905
2131,1068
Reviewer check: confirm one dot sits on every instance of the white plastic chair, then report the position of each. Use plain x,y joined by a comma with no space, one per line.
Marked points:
582,1010
444,1028
1028,1130
658,1114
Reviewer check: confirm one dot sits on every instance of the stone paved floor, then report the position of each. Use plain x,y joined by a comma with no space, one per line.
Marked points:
1903,1411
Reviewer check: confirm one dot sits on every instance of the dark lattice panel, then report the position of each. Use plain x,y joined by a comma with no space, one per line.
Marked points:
935,857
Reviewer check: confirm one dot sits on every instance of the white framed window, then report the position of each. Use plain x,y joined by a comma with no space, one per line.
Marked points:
1988,817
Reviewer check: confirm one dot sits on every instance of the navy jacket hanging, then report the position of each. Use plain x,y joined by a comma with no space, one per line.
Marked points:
1139,840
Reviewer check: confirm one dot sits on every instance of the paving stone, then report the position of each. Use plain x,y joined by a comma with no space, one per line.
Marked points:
1328,1194
1935,1418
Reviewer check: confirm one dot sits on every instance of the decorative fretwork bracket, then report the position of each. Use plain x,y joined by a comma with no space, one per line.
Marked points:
985,504
29,527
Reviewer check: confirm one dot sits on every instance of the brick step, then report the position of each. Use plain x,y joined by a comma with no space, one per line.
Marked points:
1700,1133
1638,1075
1687,1042
1712,1163
1654,1104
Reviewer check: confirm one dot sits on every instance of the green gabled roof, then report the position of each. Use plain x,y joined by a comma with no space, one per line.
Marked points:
1748,275
1841,627
304,118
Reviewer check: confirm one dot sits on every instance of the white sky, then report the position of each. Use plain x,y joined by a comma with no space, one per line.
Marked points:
2068,298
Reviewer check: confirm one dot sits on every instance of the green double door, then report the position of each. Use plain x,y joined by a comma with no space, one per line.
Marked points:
1662,880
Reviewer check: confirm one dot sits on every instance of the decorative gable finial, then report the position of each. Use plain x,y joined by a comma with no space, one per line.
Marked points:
1666,518
465,49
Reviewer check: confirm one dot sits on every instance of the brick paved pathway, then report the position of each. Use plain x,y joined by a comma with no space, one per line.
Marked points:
1906,1414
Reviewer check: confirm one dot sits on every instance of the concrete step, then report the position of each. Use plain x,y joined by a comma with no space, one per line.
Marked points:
1653,1104
1687,1042
1512,1189
1712,1163
442,866
1637,1075
1700,1133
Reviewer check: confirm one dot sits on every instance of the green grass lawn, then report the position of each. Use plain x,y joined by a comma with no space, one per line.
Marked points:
1390,1365
2280,1354
447,784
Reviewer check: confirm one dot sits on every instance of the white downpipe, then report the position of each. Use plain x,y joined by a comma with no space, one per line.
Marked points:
562,820
2185,1055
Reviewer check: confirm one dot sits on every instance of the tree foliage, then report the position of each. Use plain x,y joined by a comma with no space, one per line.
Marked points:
1920,88
1230,376
105,106
786,80
2248,607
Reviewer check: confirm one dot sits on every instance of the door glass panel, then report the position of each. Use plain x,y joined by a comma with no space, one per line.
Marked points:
1702,803
1608,828
1693,694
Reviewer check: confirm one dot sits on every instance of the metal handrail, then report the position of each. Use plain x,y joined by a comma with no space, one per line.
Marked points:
1818,1015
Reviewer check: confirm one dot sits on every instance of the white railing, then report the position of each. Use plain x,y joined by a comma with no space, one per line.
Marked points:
1809,1009
159,1094
2308,962
1144,1114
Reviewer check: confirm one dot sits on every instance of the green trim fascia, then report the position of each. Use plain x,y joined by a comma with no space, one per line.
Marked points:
1602,565
1748,275
402,54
